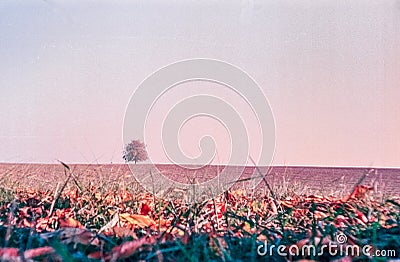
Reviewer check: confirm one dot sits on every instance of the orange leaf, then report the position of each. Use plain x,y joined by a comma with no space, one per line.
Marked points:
36,252
98,196
26,223
286,204
124,232
248,229
127,249
70,222
139,220
73,235
23,212
273,207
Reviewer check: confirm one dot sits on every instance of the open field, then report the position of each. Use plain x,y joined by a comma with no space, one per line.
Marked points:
99,213
321,180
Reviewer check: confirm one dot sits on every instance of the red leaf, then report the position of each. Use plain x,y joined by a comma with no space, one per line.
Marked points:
362,217
145,209
9,254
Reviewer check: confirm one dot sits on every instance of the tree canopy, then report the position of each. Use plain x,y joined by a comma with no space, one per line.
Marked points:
135,151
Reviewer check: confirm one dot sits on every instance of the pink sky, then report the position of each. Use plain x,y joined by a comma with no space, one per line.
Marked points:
330,70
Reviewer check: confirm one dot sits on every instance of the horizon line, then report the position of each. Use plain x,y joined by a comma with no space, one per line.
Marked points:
272,165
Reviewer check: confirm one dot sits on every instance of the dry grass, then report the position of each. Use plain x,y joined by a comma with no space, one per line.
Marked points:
112,219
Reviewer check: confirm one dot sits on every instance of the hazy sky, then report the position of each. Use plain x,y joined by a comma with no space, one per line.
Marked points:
330,69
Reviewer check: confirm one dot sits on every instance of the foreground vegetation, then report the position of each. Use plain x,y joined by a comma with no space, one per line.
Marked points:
82,221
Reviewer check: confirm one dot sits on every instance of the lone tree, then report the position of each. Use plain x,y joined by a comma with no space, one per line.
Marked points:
135,151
